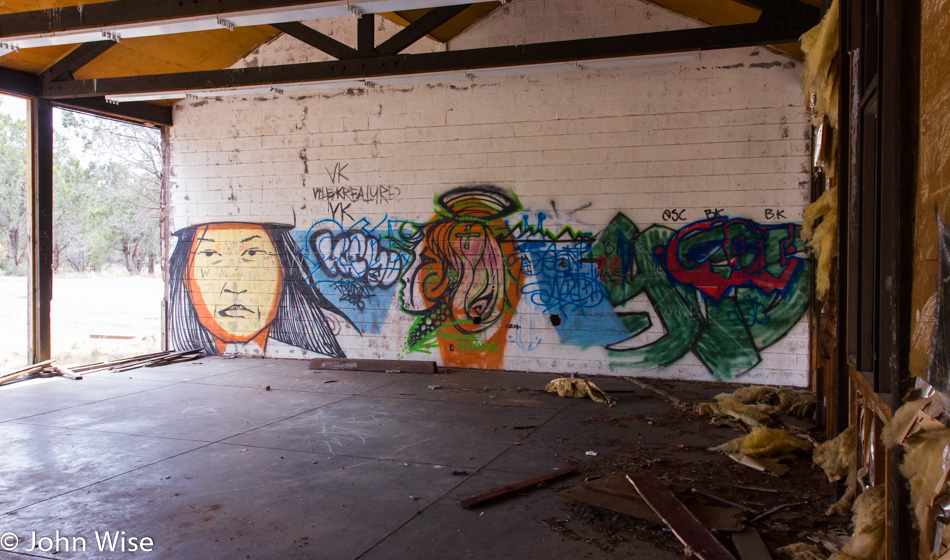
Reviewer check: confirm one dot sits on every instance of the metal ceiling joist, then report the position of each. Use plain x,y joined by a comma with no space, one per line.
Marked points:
76,59
419,29
788,9
317,40
707,38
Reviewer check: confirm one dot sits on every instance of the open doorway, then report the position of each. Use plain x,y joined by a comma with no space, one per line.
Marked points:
107,283
14,287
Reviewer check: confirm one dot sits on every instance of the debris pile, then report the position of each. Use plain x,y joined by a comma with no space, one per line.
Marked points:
698,497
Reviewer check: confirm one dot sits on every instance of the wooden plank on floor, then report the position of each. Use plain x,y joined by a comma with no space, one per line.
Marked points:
400,366
712,517
507,489
66,372
678,518
35,368
749,545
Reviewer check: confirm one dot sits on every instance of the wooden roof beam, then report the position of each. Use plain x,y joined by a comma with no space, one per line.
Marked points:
137,113
26,85
705,38
76,59
126,12
134,18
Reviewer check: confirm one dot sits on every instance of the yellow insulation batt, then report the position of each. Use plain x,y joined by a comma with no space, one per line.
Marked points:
747,414
895,429
579,389
754,405
820,69
771,400
823,238
764,442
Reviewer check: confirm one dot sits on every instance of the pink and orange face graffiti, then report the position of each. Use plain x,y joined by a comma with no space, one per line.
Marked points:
234,278
458,283
461,264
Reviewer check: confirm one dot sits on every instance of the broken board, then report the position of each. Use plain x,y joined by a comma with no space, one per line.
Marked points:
400,366
508,489
615,493
678,518
749,545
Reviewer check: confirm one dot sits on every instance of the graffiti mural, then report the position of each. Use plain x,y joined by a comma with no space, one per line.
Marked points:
235,286
459,285
355,268
723,289
484,279
563,282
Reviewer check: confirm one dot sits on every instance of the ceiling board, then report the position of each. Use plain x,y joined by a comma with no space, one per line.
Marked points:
35,60
182,52
726,12
450,29
712,12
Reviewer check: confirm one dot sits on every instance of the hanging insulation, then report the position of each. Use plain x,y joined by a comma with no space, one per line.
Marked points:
838,458
822,238
926,458
867,542
820,69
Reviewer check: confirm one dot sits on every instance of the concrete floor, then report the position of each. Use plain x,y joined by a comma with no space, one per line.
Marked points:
204,461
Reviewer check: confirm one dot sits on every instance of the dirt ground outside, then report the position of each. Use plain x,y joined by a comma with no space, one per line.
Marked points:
84,309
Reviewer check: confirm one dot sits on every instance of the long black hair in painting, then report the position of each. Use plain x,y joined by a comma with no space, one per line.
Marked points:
300,320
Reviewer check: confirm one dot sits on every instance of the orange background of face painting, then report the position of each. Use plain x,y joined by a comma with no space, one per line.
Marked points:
222,336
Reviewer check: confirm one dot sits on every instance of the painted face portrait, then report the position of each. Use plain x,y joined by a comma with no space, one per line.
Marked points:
234,277
234,283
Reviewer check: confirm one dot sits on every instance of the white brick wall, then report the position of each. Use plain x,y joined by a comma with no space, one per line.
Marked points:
724,132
